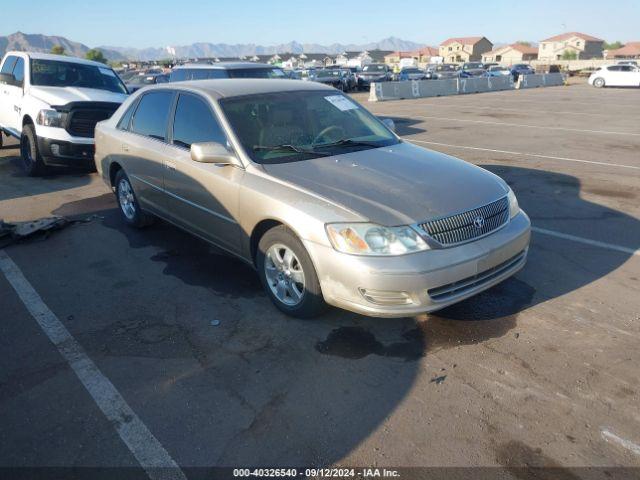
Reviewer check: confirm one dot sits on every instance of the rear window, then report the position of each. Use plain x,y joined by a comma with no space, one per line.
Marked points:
184,74
256,73
152,114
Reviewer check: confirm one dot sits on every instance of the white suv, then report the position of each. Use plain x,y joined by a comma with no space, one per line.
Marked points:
52,103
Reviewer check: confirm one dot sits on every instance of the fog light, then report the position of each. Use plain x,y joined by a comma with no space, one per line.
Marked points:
385,297
55,149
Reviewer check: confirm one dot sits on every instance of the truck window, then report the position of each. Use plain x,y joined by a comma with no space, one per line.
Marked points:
9,63
18,70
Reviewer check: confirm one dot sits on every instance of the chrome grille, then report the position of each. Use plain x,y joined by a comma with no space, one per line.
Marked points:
463,227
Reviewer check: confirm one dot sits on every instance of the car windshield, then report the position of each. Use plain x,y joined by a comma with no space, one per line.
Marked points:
256,73
299,125
55,73
411,70
143,80
373,68
328,73
498,69
468,66
446,67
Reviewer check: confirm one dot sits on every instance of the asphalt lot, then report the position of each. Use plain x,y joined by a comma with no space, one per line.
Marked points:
541,370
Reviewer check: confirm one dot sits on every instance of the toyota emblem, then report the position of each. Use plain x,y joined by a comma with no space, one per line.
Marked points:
478,222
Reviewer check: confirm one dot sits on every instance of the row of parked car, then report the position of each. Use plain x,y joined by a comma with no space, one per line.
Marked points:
470,69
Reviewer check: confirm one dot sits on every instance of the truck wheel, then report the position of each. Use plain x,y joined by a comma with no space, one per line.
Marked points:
128,203
288,275
31,160
598,82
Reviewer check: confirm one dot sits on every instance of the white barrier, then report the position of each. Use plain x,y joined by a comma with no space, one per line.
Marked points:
540,80
383,91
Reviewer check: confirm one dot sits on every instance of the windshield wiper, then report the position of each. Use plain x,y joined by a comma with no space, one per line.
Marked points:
289,147
349,142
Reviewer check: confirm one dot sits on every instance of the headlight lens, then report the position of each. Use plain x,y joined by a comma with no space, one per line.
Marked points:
372,239
49,118
514,208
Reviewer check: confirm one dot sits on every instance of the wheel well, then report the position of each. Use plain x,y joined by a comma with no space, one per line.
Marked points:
258,231
114,168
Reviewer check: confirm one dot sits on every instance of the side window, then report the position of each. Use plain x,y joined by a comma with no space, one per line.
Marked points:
615,68
194,122
217,73
18,70
9,63
178,75
152,114
125,121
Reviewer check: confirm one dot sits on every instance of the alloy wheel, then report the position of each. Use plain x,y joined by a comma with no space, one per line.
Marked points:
126,199
284,274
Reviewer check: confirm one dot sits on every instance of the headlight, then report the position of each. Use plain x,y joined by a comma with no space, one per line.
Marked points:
49,118
514,208
372,239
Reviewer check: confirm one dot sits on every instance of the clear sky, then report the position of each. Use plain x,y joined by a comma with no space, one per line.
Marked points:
157,23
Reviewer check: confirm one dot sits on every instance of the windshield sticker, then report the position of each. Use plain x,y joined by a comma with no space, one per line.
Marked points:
341,103
106,71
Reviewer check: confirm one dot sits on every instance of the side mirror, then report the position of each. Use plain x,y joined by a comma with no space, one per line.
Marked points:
390,124
213,152
9,79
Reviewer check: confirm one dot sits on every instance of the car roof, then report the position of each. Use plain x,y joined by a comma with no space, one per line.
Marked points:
235,87
62,58
225,65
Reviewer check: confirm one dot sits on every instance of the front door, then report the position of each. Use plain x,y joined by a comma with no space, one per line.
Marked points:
202,197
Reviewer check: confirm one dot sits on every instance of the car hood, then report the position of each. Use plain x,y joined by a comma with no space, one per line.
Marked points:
396,185
64,95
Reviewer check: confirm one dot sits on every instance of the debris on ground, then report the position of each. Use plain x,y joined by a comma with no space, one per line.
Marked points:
11,232
438,380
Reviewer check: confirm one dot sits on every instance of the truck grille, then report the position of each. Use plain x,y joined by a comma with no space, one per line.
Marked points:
82,121
469,225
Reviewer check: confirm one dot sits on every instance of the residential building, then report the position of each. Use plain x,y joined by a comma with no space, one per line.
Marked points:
571,44
464,49
422,56
511,54
630,50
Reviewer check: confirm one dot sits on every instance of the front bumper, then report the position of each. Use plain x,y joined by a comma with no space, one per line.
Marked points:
422,282
62,153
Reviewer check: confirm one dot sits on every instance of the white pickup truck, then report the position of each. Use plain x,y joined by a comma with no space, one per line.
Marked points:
51,103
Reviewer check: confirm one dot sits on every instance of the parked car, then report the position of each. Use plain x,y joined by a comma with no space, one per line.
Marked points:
205,71
521,69
443,71
411,73
472,69
498,71
51,103
142,80
615,76
313,191
337,78
373,72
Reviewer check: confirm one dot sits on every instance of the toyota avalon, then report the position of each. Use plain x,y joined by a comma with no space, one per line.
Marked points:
322,198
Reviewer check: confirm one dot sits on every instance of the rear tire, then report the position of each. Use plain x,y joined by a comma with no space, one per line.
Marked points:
128,202
284,280
32,163
598,82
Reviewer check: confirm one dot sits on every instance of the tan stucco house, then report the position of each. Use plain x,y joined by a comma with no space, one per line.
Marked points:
630,50
585,46
511,54
422,56
464,49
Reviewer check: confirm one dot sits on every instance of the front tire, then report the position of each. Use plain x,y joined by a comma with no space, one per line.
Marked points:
32,163
598,82
288,275
128,203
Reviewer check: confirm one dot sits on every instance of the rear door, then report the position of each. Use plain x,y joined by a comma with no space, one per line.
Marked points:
6,105
202,197
144,148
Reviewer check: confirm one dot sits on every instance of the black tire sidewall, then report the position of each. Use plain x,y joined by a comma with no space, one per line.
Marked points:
312,303
33,166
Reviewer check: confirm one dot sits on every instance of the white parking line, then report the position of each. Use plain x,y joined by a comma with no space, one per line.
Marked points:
587,241
505,124
143,445
608,436
535,155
